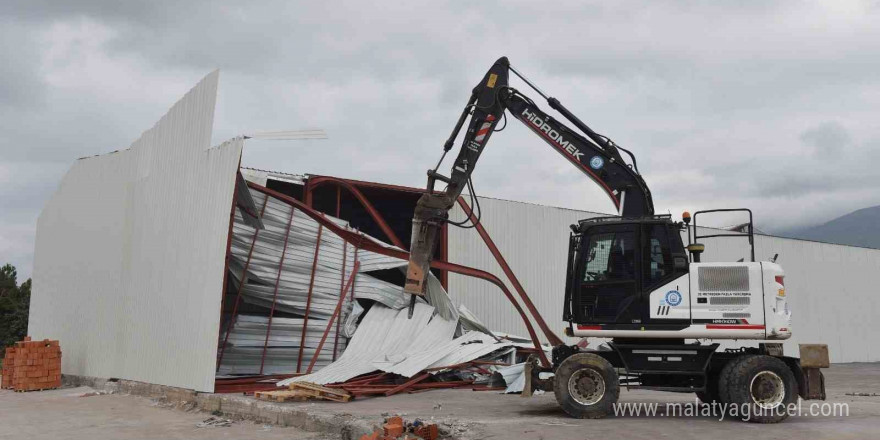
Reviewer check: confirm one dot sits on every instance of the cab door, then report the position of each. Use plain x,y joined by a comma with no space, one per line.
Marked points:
607,280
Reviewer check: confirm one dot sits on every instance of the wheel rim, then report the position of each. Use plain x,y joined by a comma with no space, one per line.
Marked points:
767,389
586,386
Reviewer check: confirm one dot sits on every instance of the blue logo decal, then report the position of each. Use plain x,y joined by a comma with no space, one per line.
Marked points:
673,297
597,162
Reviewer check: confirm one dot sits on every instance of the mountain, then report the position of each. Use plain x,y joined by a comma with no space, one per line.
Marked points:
858,228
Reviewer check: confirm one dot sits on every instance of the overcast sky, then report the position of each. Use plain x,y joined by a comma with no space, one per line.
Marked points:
768,105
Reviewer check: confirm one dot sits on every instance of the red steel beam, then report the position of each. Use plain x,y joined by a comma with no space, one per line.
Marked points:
408,384
247,265
551,337
341,286
364,243
315,182
357,184
354,269
302,340
277,282
365,184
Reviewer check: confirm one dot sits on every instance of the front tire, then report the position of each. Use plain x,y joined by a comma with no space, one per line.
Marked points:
761,388
586,386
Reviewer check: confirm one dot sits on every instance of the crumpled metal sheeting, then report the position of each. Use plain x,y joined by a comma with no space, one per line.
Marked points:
304,232
292,296
514,377
470,322
299,258
298,262
388,341
421,351
293,285
467,347
383,331
246,340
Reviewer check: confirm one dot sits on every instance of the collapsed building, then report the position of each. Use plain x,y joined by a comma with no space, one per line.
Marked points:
168,263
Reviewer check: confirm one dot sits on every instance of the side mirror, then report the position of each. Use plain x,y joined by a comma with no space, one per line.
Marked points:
679,262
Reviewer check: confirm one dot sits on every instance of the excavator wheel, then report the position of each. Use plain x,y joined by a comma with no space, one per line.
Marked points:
759,388
586,386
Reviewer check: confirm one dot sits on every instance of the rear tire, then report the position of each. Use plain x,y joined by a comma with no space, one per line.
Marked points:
758,388
586,386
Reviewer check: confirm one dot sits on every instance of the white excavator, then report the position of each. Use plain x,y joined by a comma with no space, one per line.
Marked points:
631,279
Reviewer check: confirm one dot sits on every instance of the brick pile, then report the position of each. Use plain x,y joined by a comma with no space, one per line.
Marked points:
395,428
32,365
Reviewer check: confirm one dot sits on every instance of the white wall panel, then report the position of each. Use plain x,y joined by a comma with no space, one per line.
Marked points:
834,290
129,258
534,241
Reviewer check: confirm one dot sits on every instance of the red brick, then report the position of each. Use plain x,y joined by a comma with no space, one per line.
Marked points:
393,429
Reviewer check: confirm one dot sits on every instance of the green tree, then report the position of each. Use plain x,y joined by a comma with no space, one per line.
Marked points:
15,303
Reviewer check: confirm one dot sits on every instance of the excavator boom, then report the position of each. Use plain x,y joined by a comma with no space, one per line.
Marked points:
595,155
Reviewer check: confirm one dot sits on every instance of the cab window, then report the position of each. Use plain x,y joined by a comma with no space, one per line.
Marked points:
658,255
610,257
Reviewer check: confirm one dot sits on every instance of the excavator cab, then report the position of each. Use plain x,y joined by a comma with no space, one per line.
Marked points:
615,263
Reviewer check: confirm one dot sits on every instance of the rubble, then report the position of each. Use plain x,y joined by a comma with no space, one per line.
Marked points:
396,428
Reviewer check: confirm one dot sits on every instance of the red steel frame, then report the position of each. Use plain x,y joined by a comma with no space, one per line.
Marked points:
552,338
361,242
353,186
315,181
354,270
278,282
342,283
302,341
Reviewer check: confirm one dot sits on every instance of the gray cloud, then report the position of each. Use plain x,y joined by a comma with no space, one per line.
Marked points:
724,104
827,140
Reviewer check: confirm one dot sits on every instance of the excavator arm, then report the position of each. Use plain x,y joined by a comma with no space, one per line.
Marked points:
595,155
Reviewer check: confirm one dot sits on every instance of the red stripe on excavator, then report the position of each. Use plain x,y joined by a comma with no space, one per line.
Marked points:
734,327
592,174
589,327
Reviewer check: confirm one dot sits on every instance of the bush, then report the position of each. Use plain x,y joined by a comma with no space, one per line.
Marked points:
15,302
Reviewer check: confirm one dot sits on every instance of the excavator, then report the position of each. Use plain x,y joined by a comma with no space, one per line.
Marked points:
631,280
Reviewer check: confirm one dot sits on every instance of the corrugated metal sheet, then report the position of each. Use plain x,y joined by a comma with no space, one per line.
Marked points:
280,258
334,254
832,289
382,331
129,258
245,351
387,340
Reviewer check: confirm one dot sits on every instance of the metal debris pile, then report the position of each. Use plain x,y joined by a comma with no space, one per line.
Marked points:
296,289
309,296
391,354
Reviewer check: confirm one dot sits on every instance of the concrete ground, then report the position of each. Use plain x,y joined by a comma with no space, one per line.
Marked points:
462,413
62,413
487,415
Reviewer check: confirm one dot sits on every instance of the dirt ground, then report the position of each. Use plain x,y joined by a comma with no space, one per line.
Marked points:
468,414
63,414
